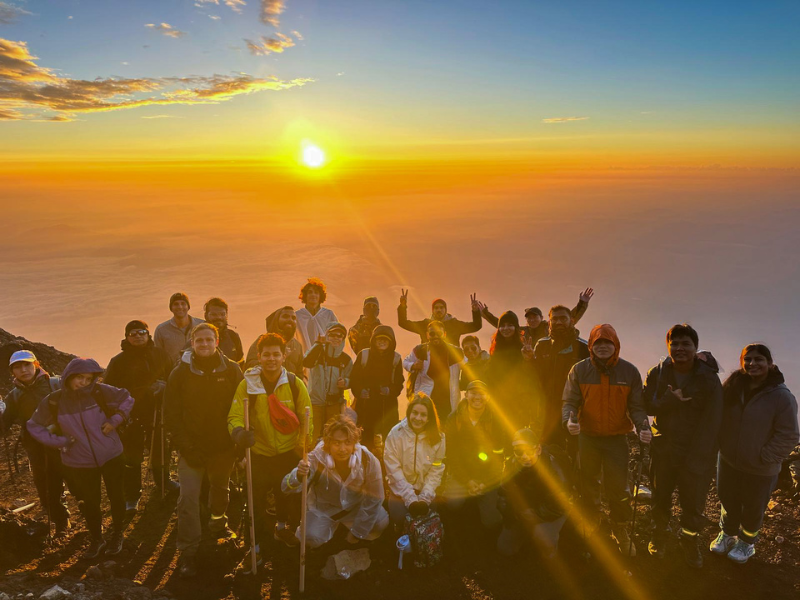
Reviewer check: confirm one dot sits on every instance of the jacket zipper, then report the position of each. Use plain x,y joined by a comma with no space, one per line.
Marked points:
89,439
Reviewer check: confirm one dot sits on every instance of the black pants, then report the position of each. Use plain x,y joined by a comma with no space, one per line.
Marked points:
268,472
134,438
744,498
609,455
48,477
84,483
667,474
376,416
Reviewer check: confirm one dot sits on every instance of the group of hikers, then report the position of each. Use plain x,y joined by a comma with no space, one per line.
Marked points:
506,444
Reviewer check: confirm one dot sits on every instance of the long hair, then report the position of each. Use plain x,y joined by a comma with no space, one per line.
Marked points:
502,343
433,431
760,349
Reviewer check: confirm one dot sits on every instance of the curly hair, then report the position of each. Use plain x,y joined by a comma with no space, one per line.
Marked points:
340,423
270,339
317,283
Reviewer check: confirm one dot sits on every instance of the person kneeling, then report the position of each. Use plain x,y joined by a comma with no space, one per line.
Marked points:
345,487
534,497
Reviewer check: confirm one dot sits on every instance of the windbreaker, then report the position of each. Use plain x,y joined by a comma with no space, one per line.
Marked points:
325,364
414,466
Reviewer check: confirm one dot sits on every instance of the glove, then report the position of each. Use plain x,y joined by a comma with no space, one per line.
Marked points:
418,509
244,438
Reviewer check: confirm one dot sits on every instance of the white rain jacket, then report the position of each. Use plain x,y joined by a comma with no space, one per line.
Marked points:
413,465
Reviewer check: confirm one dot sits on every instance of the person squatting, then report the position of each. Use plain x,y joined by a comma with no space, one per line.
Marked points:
507,444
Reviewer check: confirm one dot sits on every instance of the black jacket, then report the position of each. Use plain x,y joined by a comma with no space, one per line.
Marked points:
373,371
23,400
474,451
453,328
230,344
543,488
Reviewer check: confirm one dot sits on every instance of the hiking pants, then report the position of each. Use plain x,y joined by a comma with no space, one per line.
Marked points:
320,527
47,477
666,475
744,498
528,528
84,483
456,495
133,443
609,455
268,472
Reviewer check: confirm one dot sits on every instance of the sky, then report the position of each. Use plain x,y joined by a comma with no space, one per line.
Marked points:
518,150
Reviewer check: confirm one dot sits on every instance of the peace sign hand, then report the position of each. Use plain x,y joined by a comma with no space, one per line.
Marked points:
403,297
473,298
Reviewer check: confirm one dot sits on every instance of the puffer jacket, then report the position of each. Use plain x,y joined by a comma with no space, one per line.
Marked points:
328,495
414,466
269,441
23,400
325,364
72,419
758,435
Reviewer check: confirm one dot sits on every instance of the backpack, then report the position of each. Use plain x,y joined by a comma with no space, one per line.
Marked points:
99,397
425,534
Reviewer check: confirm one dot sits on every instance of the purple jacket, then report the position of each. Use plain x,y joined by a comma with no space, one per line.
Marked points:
72,419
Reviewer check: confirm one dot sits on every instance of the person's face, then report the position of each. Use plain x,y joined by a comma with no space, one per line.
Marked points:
204,343
756,365
340,447
137,337
418,418
507,330
179,308
271,359
287,324
439,311
560,321
603,349
81,380
371,310
312,296
382,343
24,371
477,399
682,350
435,335
527,456
217,316
534,320
471,350
335,337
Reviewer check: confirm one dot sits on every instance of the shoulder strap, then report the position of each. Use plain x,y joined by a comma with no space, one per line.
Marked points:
101,402
54,385
52,403
293,386
364,357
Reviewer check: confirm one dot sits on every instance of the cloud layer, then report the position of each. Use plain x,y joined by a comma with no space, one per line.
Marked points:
270,12
269,45
564,119
166,29
9,13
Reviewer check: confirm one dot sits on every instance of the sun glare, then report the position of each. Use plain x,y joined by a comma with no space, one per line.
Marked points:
313,156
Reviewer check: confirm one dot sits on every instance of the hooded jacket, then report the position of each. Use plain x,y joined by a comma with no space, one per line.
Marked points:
606,398
422,382
73,419
475,451
414,465
310,327
542,330
685,432
543,488
23,400
473,369
196,405
174,340
270,441
362,492
326,364
374,370
360,334
294,350
757,435
453,328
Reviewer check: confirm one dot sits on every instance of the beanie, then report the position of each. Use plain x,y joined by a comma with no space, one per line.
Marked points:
371,300
439,301
525,437
178,296
136,324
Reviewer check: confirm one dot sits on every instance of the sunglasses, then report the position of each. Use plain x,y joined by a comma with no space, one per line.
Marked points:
138,332
524,451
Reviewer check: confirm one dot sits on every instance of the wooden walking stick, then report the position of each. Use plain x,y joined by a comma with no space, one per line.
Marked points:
303,500
249,475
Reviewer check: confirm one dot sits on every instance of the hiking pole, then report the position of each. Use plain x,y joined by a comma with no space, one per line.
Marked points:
644,450
152,447
161,433
47,494
5,445
249,475
303,499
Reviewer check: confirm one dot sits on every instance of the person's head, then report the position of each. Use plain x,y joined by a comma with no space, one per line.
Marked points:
283,322
534,317
271,352
335,334
382,343
435,332
604,344
205,339
477,396
339,437
422,417
560,320
471,346
216,312
179,305
80,373
682,344
137,333
439,309
382,340
508,335
371,307
527,447
756,361
23,366
313,293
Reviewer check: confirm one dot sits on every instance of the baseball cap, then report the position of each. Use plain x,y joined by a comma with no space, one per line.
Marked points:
22,356
534,310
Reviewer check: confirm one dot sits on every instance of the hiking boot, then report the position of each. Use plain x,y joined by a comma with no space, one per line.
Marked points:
114,544
741,552
690,545
96,547
723,544
658,544
286,535
62,527
624,542
188,567
131,506
218,526
247,563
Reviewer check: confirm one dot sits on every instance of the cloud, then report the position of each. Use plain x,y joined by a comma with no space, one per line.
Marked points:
162,117
166,29
269,45
235,5
31,92
270,12
9,13
564,119
298,35
214,17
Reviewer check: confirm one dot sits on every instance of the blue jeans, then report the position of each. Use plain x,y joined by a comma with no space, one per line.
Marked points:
744,498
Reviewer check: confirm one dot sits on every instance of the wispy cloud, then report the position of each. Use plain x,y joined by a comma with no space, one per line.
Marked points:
9,13
271,11
564,119
214,17
166,29
31,92
298,35
162,117
269,45
235,5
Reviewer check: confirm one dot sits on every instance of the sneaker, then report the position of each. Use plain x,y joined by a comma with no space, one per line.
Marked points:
286,535
218,526
658,544
723,544
188,567
247,563
626,545
131,506
114,544
96,548
690,544
741,552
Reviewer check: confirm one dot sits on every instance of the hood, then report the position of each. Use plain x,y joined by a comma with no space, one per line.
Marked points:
126,346
188,358
80,365
254,383
338,348
272,319
388,332
739,378
40,372
705,362
606,332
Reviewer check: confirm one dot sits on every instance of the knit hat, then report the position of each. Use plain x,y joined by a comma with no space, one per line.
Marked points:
372,300
477,384
178,296
439,301
534,310
525,437
136,324
22,356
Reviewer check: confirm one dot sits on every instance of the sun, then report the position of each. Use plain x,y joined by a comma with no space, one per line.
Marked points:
313,156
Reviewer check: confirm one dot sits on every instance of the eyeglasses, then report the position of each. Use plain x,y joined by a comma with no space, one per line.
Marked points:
138,332
524,451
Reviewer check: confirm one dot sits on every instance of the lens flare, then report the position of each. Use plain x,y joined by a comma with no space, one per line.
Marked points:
313,156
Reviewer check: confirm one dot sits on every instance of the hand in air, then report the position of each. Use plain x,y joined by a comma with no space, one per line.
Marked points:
587,294
403,297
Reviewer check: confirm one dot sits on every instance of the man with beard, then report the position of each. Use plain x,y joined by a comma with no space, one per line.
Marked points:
360,334
283,322
553,358
453,328
230,344
174,336
142,369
